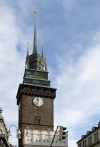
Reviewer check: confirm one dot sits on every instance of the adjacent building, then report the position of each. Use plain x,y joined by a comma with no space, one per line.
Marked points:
91,139
3,132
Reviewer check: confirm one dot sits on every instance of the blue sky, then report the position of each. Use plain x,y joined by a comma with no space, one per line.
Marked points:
70,31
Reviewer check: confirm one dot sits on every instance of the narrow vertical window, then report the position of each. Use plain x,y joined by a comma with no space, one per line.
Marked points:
90,140
96,136
37,120
80,145
84,143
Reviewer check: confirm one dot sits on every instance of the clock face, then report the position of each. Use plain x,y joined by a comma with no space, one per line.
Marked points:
38,101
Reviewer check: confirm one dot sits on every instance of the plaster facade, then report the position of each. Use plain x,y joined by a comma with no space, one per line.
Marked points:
43,138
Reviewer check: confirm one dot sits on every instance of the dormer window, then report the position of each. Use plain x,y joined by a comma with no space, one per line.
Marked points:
99,124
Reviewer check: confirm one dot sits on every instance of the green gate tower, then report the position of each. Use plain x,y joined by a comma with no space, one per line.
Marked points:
35,96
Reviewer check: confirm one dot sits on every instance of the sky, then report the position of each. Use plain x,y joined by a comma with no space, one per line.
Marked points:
70,31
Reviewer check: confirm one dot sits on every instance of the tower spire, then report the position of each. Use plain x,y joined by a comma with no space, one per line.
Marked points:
35,48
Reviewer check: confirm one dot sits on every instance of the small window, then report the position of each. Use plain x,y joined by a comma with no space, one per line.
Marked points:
96,136
90,140
84,143
37,120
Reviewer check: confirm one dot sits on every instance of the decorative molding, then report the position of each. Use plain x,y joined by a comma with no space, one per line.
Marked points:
31,124
39,92
35,91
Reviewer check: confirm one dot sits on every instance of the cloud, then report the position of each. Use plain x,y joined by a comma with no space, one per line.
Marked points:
68,4
78,88
10,62
72,143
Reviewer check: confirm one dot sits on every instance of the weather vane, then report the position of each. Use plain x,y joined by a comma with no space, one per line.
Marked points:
35,9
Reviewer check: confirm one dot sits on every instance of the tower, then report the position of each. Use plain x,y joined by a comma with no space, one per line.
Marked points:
35,96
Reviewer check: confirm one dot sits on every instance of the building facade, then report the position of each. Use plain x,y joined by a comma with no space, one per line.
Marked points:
91,139
3,132
43,138
35,99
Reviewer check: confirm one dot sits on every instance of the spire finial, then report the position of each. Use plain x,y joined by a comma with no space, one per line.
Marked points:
42,50
27,57
46,69
35,49
35,9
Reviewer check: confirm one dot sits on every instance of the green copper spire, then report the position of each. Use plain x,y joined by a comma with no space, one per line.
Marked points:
35,48
42,51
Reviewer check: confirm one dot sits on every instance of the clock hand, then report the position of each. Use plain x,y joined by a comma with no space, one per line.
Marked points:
37,100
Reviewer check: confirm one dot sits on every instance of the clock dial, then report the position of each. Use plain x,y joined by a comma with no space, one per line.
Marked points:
35,101
38,101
